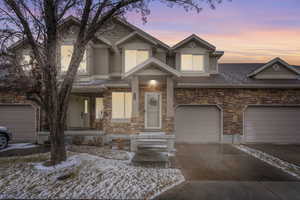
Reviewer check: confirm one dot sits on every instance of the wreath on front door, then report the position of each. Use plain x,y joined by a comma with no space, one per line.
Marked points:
153,101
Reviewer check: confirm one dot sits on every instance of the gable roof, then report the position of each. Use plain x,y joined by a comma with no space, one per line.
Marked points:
155,61
133,34
272,62
143,32
73,19
69,19
104,40
194,37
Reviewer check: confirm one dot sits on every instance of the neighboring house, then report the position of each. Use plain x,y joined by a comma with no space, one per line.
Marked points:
130,82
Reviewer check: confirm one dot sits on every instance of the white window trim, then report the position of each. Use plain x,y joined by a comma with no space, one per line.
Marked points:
97,112
86,60
192,71
124,57
124,119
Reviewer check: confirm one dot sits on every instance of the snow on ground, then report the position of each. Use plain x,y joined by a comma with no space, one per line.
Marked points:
19,146
85,176
105,151
289,168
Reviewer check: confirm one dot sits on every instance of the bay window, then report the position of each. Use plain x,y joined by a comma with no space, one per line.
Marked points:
66,54
121,105
192,62
135,57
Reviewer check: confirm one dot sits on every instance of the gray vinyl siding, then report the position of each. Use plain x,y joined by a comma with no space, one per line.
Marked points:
198,124
101,61
281,73
272,125
21,121
160,56
119,31
213,65
115,64
170,60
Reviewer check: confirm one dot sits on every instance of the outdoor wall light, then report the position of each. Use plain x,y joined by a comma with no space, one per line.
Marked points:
153,83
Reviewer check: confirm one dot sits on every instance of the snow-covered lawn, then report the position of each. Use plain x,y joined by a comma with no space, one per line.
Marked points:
18,146
82,176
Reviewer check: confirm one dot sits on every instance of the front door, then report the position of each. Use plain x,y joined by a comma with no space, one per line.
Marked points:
78,112
152,110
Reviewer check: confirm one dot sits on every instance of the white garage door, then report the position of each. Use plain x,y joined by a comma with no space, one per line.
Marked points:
272,125
197,124
20,119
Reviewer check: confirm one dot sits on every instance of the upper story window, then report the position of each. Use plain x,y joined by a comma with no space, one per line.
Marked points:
26,62
192,62
66,54
135,57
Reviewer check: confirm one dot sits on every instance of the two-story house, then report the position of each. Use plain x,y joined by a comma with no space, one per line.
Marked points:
130,82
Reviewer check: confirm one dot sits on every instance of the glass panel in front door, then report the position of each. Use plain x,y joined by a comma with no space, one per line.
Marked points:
153,110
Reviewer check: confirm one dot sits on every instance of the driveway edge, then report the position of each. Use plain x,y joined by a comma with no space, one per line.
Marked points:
287,167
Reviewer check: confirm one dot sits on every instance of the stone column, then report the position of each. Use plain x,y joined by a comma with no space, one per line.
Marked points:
135,96
170,97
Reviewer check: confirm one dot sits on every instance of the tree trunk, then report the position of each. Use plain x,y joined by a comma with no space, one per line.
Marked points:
57,139
57,122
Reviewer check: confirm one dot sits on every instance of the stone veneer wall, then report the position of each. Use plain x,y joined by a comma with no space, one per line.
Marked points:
12,98
136,125
234,101
109,126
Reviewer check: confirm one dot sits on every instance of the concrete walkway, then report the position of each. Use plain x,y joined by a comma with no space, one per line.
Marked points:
214,171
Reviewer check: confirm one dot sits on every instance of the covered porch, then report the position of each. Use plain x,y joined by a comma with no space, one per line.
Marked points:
84,121
86,110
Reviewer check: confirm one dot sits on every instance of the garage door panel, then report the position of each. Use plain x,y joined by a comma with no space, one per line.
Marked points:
20,119
272,124
197,124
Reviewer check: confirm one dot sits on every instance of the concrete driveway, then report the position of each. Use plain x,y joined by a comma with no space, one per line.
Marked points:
286,152
214,171
224,162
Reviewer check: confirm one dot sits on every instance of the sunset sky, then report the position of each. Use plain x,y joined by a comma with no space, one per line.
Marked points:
247,30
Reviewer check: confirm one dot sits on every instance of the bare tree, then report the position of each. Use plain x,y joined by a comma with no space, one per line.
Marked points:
37,22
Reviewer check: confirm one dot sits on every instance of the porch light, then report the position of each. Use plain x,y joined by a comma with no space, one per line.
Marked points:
153,83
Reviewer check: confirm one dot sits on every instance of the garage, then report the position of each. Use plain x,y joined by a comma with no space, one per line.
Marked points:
198,124
21,120
272,124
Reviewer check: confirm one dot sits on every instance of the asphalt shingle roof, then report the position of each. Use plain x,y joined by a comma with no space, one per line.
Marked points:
236,74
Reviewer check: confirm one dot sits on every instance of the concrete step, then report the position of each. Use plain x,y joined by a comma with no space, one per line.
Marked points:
155,148
151,142
150,133
150,156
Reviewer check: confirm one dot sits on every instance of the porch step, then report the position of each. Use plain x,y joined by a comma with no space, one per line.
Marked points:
151,146
151,134
145,156
154,150
152,141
